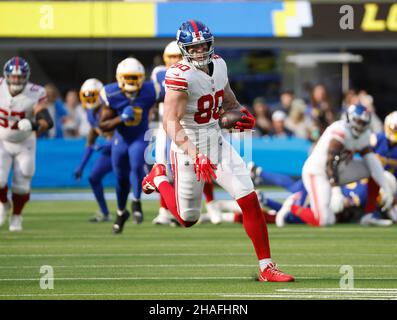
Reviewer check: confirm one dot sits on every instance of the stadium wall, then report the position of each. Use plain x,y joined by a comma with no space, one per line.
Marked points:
57,159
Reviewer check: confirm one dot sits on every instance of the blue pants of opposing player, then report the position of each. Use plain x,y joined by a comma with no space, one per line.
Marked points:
128,160
101,167
288,183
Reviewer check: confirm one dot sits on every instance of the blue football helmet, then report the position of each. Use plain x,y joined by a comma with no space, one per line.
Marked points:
358,118
16,72
193,33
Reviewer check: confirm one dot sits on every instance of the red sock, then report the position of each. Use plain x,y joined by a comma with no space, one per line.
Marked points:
373,192
255,225
3,194
19,201
209,191
238,217
167,191
305,214
163,204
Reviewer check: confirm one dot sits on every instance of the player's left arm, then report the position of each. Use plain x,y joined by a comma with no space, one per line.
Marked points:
374,165
229,99
377,173
230,103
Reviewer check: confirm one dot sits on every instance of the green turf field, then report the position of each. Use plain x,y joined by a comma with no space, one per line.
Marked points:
203,262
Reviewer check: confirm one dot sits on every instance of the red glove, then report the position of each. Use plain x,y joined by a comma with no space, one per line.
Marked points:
248,121
204,168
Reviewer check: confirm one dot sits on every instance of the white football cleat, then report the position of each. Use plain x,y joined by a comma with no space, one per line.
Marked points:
369,219
392,213
284,210
15,222
214,213
164,217
4,208
255,173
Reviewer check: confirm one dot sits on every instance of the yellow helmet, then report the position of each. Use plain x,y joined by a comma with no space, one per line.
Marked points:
89,93
130,75
172,54
391,127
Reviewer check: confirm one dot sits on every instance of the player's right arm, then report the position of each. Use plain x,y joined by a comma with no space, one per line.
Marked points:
109,120
175,104
333,157
89,149
334,152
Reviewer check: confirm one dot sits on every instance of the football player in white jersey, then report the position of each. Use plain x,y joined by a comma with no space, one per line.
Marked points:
197,88
172,54
331,164
22,115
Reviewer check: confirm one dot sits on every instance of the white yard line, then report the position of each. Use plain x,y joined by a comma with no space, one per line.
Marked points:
127,278
230,265
171,254
181,278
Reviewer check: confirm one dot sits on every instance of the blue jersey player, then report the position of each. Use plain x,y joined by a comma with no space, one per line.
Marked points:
385,144
89,96
126,110
172,54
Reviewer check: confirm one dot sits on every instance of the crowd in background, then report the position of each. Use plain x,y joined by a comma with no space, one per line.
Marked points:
70,118
290,117
307,119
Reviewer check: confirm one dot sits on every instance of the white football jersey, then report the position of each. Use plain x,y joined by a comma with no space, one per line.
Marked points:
340,131
13,109
205,97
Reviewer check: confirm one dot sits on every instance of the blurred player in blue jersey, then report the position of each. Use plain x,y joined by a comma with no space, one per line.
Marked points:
172,54
89,96
126,109
384,145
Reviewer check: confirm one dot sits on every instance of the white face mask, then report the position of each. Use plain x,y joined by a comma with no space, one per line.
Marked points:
357,129
199,59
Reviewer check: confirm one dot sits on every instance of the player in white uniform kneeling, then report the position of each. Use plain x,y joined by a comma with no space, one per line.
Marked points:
22,114
331,165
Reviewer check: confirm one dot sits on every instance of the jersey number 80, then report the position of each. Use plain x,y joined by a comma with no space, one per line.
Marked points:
208,107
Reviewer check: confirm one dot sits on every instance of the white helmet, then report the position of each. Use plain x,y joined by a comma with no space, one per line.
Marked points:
172,54
391,127
89,93
172,49
130,75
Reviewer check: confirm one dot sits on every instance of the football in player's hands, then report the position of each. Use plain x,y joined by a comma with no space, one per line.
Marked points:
128,114
25,125
229,118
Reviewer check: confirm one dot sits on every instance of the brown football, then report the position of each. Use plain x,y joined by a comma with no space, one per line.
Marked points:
228,119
